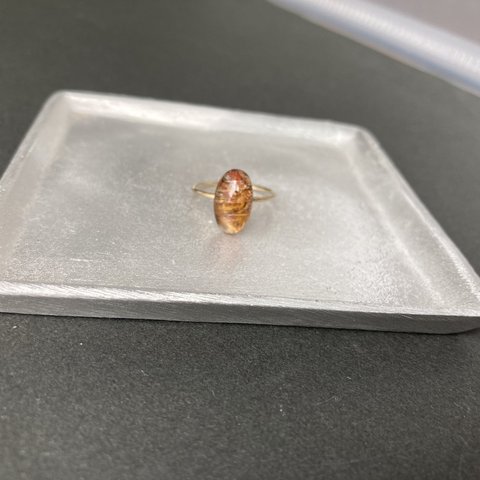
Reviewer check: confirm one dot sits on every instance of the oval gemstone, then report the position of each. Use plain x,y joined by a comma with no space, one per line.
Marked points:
233,201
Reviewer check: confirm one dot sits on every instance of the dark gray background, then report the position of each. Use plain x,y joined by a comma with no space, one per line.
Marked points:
116,399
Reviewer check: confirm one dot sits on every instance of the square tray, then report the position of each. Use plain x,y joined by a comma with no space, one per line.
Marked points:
97,218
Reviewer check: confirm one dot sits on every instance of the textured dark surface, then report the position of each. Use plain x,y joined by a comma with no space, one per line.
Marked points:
114,399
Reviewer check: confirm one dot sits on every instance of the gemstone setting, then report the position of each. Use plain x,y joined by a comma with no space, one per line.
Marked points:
233,201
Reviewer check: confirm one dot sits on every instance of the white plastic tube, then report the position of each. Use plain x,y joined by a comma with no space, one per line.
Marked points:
415,42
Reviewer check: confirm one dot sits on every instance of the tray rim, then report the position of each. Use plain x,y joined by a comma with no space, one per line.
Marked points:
12,292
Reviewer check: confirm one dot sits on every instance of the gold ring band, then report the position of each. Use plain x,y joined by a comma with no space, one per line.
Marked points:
205,189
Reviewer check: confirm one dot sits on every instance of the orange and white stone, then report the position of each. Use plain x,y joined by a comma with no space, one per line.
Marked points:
233,201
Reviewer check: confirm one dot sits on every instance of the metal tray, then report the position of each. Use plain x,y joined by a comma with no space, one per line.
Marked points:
97,218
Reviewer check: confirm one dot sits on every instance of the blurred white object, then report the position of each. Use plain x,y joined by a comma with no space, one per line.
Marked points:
459,17
442,39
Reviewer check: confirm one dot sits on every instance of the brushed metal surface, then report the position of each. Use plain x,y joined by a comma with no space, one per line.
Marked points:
97,218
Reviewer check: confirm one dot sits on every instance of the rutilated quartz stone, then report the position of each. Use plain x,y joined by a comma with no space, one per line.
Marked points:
233,201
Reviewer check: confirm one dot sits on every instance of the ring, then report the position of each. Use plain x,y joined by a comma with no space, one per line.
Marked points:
233,196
